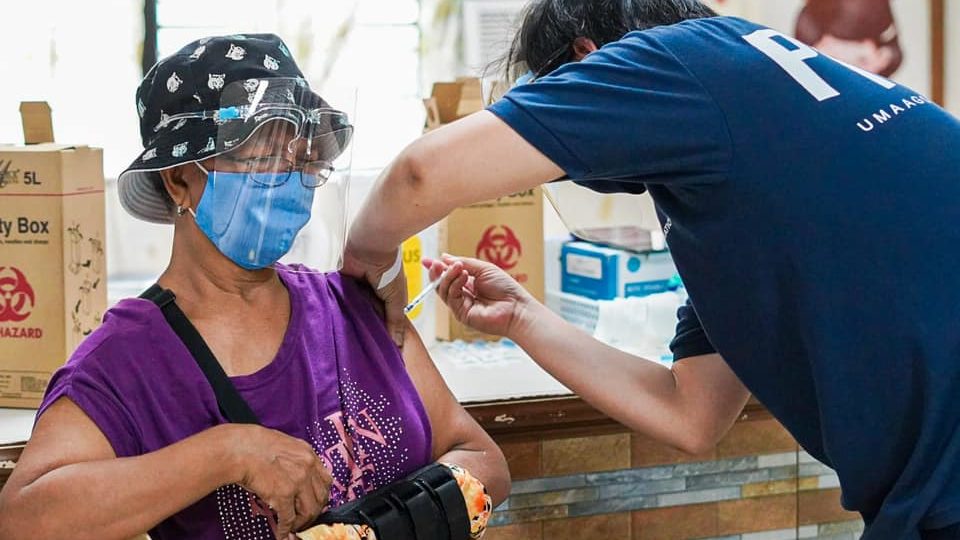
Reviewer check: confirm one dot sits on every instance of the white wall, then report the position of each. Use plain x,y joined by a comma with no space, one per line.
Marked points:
912,17
777,14
953,56
913,21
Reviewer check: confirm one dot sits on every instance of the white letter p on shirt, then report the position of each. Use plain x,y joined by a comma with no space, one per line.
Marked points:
794,62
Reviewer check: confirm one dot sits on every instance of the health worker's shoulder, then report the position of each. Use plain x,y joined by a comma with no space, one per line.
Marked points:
713,36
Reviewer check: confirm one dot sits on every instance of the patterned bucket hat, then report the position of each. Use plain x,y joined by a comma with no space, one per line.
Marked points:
198,78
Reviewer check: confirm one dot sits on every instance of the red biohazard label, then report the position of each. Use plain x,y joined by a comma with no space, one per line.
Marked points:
500,245
16,295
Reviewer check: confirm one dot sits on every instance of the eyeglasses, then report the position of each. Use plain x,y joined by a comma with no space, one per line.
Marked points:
274,171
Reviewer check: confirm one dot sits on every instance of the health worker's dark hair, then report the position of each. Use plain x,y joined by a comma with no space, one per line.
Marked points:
548,29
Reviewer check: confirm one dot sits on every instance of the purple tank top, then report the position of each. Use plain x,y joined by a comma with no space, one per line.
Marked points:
134,378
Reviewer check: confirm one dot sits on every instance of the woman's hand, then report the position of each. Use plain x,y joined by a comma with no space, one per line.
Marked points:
480,294
284,472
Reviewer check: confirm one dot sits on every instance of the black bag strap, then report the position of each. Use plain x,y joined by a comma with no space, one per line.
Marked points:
231,404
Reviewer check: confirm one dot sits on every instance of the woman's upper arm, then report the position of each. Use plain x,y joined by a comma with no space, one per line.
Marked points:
63,435
453,427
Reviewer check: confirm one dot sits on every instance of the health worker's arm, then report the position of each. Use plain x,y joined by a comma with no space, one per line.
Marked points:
474,159
689,406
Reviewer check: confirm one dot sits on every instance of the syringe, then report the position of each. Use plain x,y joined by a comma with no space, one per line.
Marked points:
417,300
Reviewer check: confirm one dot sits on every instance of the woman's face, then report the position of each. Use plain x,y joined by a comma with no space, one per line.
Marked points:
252,202
272,155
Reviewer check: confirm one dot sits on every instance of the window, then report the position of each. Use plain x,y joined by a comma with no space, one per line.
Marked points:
89,77
362,56
87,71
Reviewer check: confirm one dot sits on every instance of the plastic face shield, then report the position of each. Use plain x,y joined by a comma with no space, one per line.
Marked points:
281,170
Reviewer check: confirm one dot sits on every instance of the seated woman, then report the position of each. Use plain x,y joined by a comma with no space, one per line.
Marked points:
130,436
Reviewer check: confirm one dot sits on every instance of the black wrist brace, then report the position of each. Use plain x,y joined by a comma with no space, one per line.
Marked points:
427,505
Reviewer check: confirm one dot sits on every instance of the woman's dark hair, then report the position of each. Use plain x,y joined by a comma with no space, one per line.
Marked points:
548,29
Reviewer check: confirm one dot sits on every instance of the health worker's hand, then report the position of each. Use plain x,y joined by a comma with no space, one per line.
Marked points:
384,272
480,294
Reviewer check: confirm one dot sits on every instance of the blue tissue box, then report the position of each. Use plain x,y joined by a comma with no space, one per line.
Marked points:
604,273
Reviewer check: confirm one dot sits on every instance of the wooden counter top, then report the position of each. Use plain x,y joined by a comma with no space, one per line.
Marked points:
560,417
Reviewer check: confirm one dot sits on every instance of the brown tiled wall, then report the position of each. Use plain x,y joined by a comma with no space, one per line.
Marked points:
519,531
605,526
756,437
583,455
523,458
689,521
821,507
613,452
757,514
625,486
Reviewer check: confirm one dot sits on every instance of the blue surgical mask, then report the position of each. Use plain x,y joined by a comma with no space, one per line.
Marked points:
253,223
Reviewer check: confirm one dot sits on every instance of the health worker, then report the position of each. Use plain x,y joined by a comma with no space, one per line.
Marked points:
812,209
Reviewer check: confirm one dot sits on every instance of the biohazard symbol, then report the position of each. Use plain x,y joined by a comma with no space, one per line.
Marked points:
500,246
16,295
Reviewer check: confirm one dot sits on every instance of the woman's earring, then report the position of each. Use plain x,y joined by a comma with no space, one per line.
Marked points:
181,210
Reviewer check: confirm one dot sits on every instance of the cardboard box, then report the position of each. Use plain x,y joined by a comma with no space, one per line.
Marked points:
451,101
52,268
507,232
603,273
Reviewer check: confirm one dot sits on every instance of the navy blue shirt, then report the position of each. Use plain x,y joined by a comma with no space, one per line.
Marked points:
813,211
